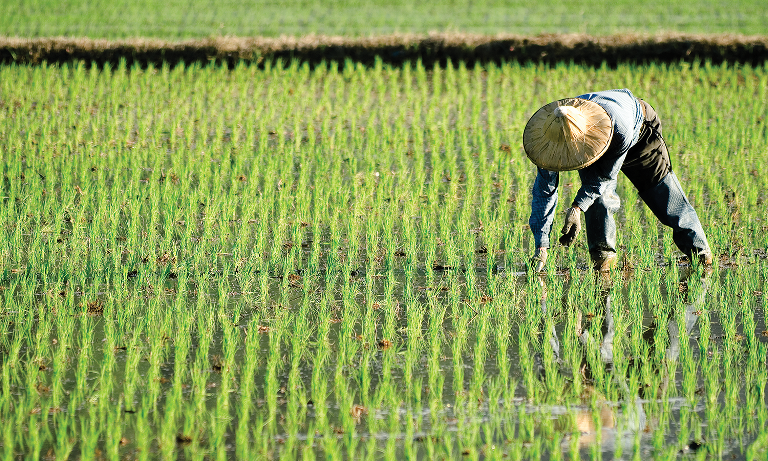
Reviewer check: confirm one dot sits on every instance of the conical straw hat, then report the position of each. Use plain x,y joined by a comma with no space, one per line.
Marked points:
568,134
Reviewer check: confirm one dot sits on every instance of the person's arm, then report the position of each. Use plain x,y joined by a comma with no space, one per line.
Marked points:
543,205
596,178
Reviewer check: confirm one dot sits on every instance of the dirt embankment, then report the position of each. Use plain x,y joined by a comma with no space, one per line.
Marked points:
395,49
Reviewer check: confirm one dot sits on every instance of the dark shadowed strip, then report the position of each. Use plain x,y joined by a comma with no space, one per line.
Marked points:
395,49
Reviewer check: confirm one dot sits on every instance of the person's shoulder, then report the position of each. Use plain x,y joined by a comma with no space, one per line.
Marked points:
606,94
625,91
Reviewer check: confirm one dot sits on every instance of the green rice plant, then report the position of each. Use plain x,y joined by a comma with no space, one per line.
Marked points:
104,20
362,228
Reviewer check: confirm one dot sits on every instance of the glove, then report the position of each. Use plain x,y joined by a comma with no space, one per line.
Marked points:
539,259
572,226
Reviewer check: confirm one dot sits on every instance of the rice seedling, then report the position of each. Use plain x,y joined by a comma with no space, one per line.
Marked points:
106,20
290,262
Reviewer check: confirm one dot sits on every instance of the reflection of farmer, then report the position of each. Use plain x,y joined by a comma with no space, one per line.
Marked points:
691,313
628,414
600,134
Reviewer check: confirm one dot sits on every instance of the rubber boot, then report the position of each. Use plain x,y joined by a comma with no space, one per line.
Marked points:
604,263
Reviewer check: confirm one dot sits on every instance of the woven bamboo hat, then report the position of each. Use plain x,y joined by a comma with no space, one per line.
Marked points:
568,134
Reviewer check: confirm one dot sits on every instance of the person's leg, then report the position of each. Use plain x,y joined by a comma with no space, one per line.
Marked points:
647,162
670,205
649,168
601,229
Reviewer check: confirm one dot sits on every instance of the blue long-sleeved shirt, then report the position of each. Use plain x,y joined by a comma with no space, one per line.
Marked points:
627,117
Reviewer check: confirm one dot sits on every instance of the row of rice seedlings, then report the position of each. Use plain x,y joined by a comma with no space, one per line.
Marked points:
223,210
345,19
199,188
203,327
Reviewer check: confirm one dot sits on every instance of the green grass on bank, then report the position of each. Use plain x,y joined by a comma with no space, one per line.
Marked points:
176,19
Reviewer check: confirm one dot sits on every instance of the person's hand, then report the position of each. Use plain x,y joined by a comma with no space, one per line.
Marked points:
539,259
572,225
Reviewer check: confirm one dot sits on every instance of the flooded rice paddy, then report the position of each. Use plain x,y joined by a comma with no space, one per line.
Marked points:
296,263
662,363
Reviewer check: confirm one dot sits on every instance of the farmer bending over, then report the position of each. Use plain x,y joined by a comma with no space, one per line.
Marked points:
600,134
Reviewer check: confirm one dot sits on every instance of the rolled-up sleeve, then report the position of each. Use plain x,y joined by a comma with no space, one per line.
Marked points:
543,205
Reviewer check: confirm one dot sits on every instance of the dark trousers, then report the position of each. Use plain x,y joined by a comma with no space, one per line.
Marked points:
648,167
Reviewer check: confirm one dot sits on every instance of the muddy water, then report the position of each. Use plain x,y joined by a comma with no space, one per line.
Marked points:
397,385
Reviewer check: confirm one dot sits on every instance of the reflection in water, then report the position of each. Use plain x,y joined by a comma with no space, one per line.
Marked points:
617,422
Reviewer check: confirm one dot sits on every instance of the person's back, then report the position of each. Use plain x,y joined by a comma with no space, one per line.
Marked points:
571,134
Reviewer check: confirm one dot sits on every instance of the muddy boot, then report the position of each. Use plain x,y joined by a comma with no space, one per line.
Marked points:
603,261
705,259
